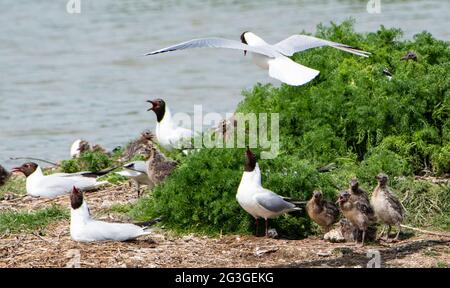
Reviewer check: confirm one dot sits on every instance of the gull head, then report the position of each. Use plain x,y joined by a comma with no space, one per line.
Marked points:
250,160
317,195
354,184
244,40
76,198
343,197
382,179
159,107
27,168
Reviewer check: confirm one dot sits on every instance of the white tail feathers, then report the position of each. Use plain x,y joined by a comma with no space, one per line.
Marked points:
289,72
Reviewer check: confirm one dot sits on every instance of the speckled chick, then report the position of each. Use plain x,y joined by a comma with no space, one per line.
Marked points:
387,208
356,193
358,213
321,211
159,168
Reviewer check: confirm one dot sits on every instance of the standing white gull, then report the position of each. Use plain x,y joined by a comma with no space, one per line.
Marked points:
54,185
271,57
85,229
169,135
137,170
255,199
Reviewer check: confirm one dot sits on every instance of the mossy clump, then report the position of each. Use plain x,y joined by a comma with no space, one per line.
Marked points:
87,161
351,115
18,221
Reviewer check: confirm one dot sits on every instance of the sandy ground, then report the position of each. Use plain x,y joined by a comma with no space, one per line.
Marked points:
53,247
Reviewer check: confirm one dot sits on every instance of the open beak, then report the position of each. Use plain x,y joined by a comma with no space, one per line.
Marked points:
17,169
153,105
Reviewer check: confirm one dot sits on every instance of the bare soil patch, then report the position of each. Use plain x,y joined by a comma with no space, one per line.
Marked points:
54,248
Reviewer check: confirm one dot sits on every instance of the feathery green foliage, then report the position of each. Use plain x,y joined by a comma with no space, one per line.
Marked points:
351,114
88,161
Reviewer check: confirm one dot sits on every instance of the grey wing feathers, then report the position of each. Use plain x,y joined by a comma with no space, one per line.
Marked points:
364,207
331,209
138,166
395,203
273,202
297,43
215,43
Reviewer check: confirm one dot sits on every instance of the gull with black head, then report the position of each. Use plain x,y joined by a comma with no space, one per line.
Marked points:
270,57
85,229
255,199
169,135
54,185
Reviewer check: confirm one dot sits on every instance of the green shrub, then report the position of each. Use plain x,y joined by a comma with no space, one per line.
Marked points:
351,115
88,161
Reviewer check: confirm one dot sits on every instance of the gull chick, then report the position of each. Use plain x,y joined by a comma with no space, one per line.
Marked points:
387,207
140,146
255,199
270,57
158,167
85,229
356,193
359,214
168,134
54,185
321,211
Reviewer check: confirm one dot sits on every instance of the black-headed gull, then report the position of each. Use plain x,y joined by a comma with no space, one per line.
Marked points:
255,199
85,229
137,170
54,185
271,57
169,135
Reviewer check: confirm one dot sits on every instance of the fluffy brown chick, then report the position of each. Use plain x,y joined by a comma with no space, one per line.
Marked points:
321,211
159,168
356,193
140,146
358,213
387,208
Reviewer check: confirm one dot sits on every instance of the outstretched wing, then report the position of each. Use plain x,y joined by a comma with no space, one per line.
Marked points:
297,43
216,43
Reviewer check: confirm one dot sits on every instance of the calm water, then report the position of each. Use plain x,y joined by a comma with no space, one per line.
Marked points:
68,76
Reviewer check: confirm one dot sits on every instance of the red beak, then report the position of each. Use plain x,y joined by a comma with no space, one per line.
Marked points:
17,169
153,105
